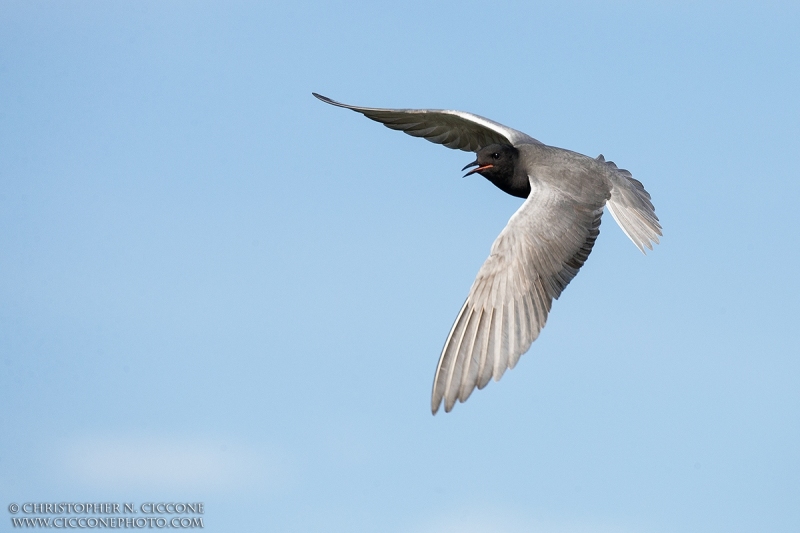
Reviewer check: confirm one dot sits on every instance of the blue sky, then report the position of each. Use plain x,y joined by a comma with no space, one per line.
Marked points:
214,287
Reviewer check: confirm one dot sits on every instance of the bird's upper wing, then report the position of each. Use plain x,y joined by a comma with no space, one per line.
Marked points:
454,129
537,254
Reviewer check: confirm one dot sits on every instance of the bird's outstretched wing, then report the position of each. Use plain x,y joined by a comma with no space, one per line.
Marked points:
537,254
454,129
631,207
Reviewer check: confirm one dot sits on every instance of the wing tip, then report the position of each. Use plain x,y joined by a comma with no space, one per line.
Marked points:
329,100
436,402
440,398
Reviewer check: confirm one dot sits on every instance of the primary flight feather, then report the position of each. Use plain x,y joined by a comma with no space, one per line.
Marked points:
541,249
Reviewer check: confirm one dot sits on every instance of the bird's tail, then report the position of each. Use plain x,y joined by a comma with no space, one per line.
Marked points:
631,207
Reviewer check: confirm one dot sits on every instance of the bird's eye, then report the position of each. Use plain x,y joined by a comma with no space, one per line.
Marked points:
495,155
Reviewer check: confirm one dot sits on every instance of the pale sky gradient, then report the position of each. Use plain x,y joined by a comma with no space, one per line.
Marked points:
214,287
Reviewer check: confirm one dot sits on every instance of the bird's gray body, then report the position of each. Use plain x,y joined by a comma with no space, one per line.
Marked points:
538,253
580,177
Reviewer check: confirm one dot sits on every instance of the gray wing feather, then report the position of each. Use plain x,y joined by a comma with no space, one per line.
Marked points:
631,207
538,253
453,129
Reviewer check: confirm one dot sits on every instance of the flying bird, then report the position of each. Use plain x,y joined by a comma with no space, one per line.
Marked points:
537,254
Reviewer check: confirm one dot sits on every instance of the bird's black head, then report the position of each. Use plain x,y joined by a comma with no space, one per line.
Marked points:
494,161
497,163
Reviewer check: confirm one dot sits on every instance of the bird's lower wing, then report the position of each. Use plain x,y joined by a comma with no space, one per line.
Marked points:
537,254
453,129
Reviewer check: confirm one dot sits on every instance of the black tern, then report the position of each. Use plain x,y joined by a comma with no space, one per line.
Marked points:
537,254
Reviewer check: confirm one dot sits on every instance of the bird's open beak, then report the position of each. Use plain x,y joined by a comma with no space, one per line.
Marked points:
474,170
